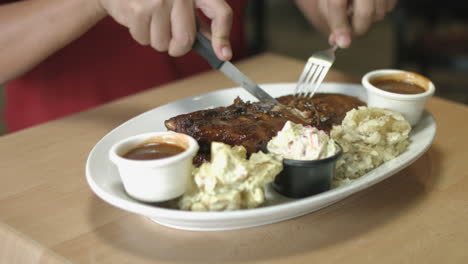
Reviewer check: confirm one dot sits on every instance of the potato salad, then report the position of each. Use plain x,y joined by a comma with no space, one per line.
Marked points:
369,137
230,181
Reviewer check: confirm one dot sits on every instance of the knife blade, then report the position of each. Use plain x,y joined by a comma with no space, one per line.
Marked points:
203,46
237,76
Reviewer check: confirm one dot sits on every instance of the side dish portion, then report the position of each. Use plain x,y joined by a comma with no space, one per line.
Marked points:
230,181
298,142
309,160
369,137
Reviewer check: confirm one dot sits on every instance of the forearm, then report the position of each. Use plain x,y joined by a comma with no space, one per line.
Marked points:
30,31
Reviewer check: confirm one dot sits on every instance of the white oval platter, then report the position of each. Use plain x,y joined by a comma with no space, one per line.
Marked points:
103,178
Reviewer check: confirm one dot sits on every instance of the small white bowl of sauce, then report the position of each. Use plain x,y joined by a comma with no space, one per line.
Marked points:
401,91
154,167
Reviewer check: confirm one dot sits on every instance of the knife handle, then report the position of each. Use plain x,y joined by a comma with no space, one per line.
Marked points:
203,46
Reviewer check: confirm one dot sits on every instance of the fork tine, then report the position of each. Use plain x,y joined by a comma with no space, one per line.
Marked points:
311,81
310,74
300,83
314,72
300,88
319,81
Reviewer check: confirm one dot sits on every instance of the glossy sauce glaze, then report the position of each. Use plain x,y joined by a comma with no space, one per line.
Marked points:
152,151
397,86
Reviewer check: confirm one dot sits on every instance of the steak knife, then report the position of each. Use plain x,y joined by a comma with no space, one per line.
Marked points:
203,46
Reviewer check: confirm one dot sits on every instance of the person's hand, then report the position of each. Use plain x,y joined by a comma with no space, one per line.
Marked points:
170,25
344,18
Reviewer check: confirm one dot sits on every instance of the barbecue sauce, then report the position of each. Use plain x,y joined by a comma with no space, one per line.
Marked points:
397,86
152,151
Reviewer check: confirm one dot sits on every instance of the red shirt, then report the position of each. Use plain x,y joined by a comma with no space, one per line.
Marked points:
102,65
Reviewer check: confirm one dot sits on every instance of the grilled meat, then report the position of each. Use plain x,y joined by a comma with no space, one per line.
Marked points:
252,125
242,123
325,110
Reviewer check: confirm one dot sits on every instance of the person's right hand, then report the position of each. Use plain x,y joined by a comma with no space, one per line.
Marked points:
170,25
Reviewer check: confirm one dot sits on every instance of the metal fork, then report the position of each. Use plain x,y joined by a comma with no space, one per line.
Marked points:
314,72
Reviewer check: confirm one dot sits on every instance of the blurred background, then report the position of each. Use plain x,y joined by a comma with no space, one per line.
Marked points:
426,36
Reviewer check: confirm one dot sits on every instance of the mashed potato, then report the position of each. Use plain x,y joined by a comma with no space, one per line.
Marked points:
230,181
369,137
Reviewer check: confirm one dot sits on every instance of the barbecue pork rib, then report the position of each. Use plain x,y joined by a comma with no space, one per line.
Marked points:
252,125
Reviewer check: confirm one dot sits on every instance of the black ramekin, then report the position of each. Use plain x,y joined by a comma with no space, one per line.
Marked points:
302,178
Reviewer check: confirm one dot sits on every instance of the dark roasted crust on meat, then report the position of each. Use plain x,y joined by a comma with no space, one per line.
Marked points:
326,110
252,125
241,123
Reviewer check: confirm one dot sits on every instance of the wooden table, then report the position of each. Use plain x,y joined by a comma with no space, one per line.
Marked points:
48,214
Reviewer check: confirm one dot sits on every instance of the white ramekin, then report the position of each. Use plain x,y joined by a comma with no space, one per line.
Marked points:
411,106
155,180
